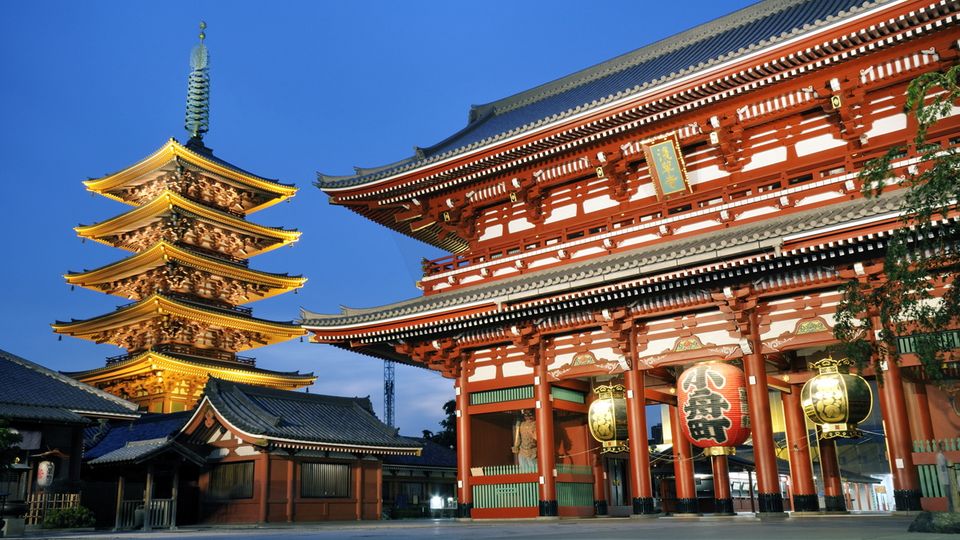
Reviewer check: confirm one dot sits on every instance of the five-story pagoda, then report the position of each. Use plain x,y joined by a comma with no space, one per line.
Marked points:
189,273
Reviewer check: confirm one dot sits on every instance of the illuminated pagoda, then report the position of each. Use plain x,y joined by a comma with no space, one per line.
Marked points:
189,273
695,200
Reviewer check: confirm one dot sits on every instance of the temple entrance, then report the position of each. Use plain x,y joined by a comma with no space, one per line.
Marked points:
618,486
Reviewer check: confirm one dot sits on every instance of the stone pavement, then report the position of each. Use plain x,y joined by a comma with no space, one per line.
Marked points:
743,527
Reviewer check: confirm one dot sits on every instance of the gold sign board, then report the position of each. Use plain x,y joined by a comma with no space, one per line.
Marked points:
666,166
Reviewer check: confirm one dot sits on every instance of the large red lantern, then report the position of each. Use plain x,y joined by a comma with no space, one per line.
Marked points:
712,398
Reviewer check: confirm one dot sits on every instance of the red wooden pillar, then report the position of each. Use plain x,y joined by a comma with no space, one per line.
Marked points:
291,477
599,486
758,400
464,490
641,484
833,498
896,427
722,501
358,488
264,487
924,424
546,448
686,484
798,442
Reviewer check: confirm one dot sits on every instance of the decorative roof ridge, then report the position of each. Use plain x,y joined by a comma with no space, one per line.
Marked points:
59,376
160,298
488,293
657,49
192,207
414,162
278,393
191,360
175,149
162,245
324,179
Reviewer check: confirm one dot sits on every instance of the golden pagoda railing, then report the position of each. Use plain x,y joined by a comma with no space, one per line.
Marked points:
176,348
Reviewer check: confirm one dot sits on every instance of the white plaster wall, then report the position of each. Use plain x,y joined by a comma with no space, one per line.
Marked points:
483,373
705,174
562,212
767,157
598,203
818,144
511,369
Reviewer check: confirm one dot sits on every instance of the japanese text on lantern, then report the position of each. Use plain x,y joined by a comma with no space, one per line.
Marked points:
705,406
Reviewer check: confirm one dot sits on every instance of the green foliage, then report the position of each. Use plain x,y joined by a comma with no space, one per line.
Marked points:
8,450
921,256
448,436
69,518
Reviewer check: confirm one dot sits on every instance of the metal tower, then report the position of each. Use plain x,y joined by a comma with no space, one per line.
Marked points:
388,368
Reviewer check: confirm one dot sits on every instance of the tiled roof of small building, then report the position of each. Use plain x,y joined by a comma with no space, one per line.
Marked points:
29,391
434,455
302,417
742,32
107,438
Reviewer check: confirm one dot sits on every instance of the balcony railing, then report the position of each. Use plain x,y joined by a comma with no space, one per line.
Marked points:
774,185
187,350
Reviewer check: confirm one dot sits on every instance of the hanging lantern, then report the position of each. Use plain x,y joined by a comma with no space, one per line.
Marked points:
835,400
607,418
713,401
45,472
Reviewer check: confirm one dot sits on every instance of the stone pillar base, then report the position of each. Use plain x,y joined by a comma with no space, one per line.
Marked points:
723,507
769,503
644,505
687,506
463,510
806,503
907,500
600,508
835,503
548,508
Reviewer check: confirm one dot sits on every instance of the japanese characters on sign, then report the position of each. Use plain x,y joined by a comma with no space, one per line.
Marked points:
712,401
666,166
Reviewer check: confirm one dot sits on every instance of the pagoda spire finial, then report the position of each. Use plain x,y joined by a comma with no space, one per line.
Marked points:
198,94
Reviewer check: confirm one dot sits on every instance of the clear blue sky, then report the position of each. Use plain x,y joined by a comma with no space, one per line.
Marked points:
297,87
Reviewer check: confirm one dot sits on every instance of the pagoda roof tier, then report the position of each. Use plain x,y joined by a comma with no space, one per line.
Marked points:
168,202
114,185
163,252
106,328
655,69
641,269
192,366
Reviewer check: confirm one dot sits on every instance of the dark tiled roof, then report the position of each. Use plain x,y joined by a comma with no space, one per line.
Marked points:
433,455
735,35
303,417
665,256
101,440
32,392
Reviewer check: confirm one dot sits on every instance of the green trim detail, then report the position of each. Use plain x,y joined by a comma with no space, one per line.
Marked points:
574,494
506,495
501,395
566,394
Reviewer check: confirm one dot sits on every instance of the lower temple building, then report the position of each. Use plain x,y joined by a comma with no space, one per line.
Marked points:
246,454
694,201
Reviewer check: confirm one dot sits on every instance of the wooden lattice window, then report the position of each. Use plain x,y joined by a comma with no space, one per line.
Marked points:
324,480
232,481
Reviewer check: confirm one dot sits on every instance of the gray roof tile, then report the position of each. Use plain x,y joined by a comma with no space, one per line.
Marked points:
717,245
734,35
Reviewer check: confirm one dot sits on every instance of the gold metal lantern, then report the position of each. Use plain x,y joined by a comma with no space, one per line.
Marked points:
607,418
835,400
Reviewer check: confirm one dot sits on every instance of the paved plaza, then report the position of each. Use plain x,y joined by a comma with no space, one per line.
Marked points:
879,527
